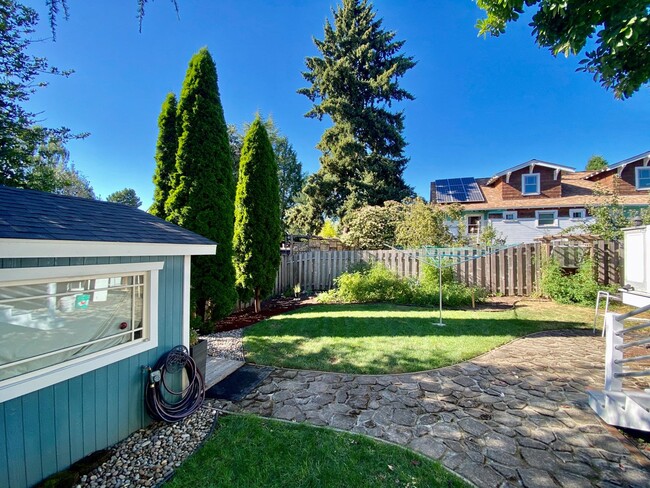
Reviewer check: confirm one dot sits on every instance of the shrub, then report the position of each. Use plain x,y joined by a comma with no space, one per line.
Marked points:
427,291
580,288
375,283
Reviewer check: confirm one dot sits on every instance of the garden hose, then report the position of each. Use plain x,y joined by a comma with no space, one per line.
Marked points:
162,401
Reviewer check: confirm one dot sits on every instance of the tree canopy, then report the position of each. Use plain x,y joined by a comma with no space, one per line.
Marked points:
50,170
613,34
596,163
127,196
258,232
20,76
202,194
355,82
165,157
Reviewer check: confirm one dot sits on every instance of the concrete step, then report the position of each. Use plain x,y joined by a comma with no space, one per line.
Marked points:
628,408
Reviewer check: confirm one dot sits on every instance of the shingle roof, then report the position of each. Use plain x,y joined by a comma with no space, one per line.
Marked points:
576,193
30,214
617,165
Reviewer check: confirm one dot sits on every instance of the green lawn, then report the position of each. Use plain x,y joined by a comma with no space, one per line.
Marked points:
249,452
382,338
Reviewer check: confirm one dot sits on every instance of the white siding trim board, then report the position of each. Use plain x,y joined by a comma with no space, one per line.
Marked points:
46,248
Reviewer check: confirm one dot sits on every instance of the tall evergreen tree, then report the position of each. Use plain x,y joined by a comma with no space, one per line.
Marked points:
257,216
202,195
355,82
166,148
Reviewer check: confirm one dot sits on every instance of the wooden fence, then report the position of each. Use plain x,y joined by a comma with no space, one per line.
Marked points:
513,271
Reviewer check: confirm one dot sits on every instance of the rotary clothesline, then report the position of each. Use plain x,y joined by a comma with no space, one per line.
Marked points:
439,259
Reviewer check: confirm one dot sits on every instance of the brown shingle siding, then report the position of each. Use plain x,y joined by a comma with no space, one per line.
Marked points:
549,186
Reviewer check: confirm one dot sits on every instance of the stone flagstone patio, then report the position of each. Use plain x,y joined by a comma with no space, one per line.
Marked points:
515,416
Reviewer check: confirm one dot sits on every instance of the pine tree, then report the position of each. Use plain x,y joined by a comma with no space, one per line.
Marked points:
166,148
202,194
355,83
257,216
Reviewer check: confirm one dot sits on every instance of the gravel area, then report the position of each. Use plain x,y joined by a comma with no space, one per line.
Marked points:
226,345
149,455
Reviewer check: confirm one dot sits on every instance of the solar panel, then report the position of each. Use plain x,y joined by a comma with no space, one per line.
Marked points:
458,190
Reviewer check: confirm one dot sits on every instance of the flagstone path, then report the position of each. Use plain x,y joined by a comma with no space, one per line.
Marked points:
516,416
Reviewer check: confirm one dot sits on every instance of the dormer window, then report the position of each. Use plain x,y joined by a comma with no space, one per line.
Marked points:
530,184
643,178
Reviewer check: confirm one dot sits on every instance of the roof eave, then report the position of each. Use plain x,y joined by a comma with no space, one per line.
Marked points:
534,162
46,248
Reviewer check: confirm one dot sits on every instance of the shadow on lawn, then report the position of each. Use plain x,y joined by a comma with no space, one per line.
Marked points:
356,327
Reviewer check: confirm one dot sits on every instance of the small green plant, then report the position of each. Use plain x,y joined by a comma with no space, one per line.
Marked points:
296,290
194,337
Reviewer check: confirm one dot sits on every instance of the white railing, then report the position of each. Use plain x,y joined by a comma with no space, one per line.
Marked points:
616,345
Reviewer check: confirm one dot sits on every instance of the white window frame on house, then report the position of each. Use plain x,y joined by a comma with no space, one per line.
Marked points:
510,216
523,184
35,380
577,214
480,224
554,212
638,178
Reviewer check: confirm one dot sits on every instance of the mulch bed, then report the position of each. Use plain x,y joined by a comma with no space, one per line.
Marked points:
271,307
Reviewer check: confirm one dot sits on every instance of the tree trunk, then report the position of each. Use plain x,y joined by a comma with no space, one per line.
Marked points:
258,305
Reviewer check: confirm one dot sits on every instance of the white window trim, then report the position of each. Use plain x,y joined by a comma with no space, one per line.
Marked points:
573,217
636,177
42,378
523,184
513,213
481,224
555,222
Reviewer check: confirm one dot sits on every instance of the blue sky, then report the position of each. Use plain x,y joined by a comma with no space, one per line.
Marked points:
481,105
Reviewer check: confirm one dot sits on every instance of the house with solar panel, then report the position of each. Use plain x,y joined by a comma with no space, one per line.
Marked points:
538,198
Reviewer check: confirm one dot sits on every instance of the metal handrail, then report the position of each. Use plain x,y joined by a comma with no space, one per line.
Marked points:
631,360
632,374
633,328
634,312
632,344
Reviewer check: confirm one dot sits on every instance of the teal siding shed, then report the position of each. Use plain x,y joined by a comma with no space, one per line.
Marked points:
53,425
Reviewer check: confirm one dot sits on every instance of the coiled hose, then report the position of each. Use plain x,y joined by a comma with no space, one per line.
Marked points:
181,403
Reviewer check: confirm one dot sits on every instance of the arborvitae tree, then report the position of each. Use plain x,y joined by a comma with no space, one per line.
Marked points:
258,231
166,148
203,189
290,176
355,83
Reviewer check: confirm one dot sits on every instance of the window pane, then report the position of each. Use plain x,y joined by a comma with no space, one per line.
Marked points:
43,318
530,184
546,218
644,178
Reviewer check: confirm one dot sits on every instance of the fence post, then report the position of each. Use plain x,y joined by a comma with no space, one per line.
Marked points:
612,354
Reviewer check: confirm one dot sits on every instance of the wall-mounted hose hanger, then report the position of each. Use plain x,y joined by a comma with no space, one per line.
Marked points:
166,402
